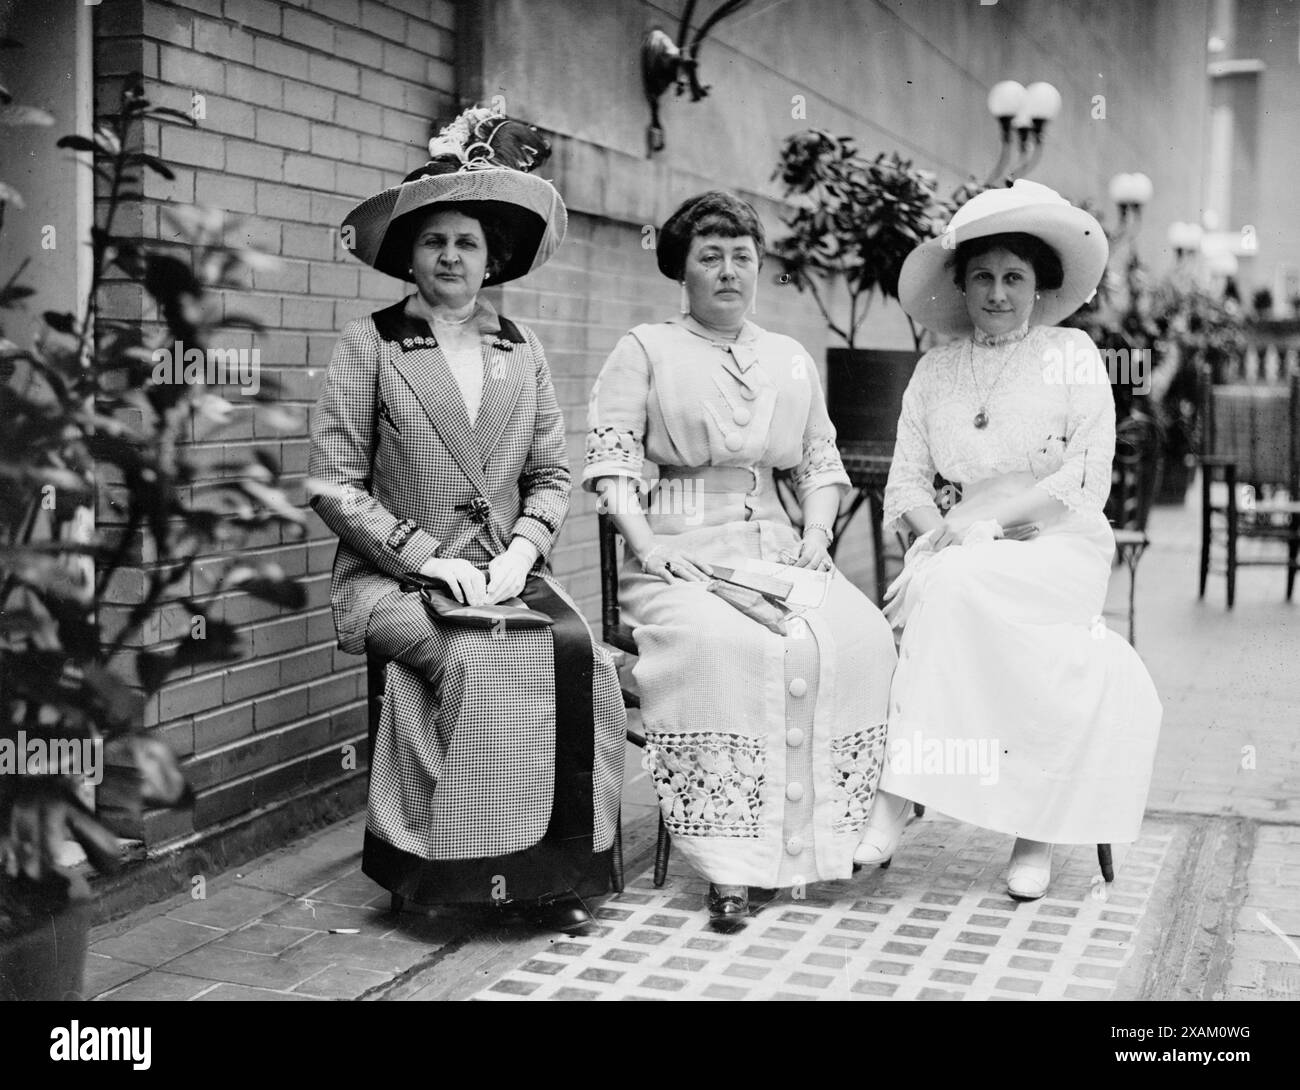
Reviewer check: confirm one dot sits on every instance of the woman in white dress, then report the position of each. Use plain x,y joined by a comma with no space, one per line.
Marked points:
1014,707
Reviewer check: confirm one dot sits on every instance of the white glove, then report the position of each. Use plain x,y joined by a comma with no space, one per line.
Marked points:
983,530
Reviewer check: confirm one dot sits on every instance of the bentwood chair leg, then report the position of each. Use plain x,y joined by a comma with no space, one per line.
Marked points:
1205,528
1231,474
616,858
1132,583
876,511
1293,553
1107,867
662,847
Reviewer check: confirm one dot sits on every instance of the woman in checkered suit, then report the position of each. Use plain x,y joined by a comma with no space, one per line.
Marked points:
438,448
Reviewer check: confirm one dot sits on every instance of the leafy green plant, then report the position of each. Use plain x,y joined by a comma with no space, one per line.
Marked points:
855,220
1204,332
104,501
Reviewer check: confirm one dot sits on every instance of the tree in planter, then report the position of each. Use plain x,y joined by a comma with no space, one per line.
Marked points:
856,219
1199,332
88,419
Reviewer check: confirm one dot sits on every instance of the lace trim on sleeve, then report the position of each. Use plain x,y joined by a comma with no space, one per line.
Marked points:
613,453
821,466
902,498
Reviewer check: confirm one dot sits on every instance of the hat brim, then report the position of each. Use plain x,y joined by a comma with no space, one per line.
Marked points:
932,299
527,208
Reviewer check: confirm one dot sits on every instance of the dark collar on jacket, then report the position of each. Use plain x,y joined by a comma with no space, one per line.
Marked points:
408,333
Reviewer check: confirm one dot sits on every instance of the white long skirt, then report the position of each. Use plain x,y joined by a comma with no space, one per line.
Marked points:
1014,707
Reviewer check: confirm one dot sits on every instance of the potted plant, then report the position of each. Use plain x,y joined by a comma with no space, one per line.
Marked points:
103,502
1201,334
854,222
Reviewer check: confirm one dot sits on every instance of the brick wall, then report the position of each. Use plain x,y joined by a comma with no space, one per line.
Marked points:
308,107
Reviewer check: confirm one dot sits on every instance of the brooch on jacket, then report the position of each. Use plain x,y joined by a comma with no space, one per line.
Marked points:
503,345
410,343
479,510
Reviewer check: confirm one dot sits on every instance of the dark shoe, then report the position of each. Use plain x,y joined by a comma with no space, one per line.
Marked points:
728,911
566,914
760,898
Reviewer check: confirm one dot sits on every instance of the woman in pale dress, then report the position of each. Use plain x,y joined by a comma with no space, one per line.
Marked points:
1014,706
764,727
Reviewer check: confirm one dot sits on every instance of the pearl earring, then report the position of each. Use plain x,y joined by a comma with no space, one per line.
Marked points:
686,300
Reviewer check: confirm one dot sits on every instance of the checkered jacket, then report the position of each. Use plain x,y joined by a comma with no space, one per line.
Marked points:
401,476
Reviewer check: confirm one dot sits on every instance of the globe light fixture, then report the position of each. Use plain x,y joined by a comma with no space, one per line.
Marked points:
1129,192
1024,111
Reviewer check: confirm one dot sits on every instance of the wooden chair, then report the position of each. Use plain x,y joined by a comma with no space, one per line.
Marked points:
1133,481
1252,443
619,636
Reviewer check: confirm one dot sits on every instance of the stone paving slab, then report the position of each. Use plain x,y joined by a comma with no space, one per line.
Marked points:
938,924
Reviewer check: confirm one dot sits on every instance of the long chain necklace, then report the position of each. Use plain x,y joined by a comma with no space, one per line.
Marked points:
982,416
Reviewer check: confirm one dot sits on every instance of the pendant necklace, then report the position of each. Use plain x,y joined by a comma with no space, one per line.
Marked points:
982,416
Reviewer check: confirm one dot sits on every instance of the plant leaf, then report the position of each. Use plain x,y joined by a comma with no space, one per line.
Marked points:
76,143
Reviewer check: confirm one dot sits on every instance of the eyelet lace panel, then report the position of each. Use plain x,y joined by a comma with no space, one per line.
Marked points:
857,759
709,784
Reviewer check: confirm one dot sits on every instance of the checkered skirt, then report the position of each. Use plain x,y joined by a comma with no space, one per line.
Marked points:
464,761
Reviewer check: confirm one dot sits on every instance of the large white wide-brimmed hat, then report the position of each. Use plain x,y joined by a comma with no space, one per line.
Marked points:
479,165
925,286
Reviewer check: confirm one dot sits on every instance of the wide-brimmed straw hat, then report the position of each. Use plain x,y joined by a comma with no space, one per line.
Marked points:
925,286
480,166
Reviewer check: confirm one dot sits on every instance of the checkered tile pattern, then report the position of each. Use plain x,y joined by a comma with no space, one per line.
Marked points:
938,924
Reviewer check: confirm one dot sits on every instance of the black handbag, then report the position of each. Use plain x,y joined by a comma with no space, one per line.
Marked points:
443,606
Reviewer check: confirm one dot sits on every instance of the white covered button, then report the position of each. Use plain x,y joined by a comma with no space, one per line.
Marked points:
794,792
734,441
794,845
742,416
798,687
794,737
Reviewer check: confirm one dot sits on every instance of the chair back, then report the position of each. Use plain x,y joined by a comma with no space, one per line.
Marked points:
1258,425
1133,472
613,631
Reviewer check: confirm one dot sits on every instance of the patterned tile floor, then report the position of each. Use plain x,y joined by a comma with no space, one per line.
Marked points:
938,924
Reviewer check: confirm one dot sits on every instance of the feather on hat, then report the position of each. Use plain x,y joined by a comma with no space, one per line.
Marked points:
480,164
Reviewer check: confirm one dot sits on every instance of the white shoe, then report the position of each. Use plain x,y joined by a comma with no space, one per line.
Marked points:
1031,870
889,817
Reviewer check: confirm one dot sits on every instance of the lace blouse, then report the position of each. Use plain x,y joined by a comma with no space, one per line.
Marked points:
1049,407
673,394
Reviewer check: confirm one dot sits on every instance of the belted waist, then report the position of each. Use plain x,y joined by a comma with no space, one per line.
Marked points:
1001,484
719,479
687,497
